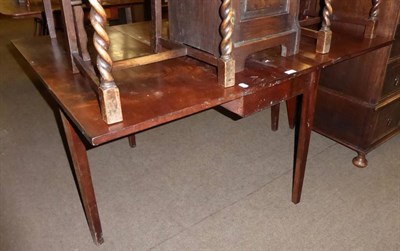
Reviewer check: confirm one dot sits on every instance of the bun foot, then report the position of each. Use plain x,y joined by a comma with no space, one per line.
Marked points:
360,161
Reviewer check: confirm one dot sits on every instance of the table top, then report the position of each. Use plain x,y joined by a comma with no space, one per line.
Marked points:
14,9
158,93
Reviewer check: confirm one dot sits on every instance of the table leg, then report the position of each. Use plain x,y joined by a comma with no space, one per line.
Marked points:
82,171
291,107
303,135
132,140
275,117
128,15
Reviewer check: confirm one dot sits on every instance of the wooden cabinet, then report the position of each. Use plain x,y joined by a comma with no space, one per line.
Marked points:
358,102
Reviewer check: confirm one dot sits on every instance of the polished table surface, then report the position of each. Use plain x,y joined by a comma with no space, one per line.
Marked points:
14,9
149,86
158,93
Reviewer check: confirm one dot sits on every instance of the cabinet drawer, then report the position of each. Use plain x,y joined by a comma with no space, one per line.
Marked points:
388,119
396,44
392,79
351,123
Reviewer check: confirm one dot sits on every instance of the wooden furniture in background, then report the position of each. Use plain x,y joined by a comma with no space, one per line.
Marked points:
368,20
15,9
358,101
310,16
323,13
147,9
309,9
37,8
310,20
257,25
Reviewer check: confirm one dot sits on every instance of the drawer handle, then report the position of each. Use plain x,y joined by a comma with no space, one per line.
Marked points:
397,81
389,122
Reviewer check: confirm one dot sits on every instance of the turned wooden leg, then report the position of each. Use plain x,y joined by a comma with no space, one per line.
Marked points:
226,63
324,35
78,154
360,161
372,25
291,107
275,117
303,136
132,140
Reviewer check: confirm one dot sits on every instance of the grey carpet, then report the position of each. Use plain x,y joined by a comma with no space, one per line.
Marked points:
201,183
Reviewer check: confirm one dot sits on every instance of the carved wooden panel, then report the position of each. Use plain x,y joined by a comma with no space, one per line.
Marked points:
190,20
257,8
309,8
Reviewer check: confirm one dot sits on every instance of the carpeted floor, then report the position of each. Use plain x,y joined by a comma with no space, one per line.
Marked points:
201,183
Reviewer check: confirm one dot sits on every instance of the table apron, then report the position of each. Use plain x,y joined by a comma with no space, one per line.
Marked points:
268,96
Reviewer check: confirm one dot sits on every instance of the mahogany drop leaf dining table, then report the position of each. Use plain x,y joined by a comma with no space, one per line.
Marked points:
158,93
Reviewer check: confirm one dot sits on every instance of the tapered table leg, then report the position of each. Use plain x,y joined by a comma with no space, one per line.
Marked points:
304,135
82,171
275,117
291,106
132,140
